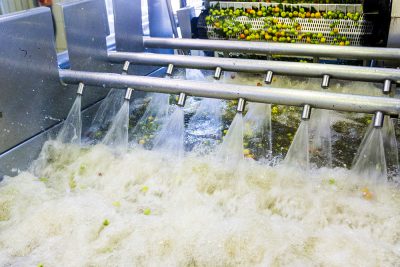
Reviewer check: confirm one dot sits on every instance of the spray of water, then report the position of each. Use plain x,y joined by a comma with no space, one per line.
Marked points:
321,138
170,140
151,122
105,115
298,154
391,147
204,130
231,149
72,127
258,129
370,159
117,135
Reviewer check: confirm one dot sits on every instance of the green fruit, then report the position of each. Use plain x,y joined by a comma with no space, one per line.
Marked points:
146,211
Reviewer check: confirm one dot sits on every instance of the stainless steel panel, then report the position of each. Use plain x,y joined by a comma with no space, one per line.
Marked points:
86,37
394,33
32,98
395,9
329,51
394,30
159,22
185,16
323,100
128,25
86,31
262,66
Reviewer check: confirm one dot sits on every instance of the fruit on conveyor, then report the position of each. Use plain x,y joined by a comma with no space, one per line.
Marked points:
282,23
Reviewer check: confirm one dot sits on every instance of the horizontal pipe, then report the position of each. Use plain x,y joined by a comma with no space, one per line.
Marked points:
261,66
291,97
329,51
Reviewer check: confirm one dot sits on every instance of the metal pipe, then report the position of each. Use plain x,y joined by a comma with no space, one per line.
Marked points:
218,72
173,23
378,119
350,52
387,86
172,18
261,66
241,105
280,96
170,69
306,114
325,81
268,77
80,89
181,100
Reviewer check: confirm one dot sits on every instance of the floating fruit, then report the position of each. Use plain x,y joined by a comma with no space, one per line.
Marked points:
146,211
368,195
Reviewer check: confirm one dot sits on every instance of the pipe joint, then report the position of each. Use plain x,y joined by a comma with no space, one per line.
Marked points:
241,105
306,114
181,100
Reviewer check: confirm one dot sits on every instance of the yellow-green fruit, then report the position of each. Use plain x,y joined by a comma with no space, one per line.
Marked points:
146,211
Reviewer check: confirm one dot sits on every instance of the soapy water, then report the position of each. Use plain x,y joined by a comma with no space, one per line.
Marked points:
95,208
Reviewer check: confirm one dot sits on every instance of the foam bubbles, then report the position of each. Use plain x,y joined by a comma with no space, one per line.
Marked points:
96,208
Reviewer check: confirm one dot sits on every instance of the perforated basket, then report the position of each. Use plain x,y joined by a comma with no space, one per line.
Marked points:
354,31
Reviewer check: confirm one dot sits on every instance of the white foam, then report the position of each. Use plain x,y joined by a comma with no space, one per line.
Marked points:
201,214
